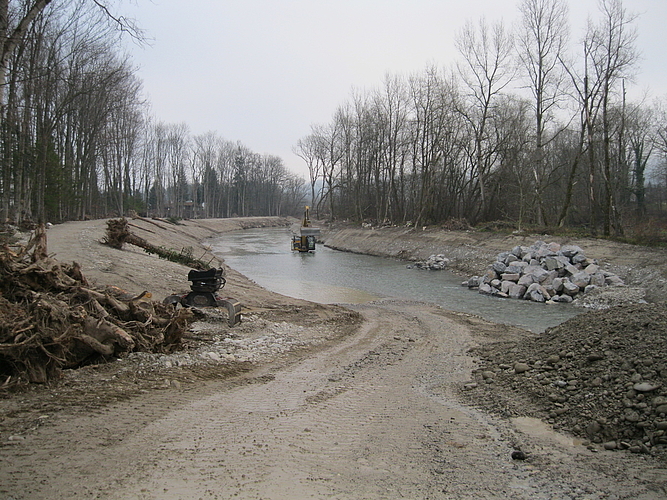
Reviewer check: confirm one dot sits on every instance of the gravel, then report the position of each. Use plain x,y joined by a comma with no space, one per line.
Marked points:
601,376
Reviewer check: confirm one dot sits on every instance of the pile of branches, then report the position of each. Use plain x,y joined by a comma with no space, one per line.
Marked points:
51,319
118,233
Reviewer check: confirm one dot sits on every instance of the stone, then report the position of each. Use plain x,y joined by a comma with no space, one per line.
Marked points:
537,293
645,387
499,267
592,268
565,299
570,288
552,263
502,256
581,279
526,280
557,283
661,409
505,286
580,259
537,272
613,281
570,250
563,260
593,428
517,291
553,247
598,279
562,271
511,258
473,282
610,445
521,367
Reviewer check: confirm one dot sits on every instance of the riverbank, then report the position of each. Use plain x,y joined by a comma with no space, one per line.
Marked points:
471,252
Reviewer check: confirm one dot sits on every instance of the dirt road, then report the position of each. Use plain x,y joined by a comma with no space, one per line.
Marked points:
375,416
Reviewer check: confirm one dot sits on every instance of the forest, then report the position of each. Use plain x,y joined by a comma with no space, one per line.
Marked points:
521,128
78,140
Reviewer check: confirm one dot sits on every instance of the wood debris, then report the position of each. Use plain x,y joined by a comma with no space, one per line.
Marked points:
51,319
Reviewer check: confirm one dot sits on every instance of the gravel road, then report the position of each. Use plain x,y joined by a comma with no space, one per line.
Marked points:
374,416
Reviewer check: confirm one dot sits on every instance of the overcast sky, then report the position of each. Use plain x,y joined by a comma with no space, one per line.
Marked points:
263,71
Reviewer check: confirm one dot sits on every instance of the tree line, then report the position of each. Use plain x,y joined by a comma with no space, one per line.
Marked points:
77,139
519,130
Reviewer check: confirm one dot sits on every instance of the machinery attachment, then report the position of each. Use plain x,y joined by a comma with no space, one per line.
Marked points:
204,286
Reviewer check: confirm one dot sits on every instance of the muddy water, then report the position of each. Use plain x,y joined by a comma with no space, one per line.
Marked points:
329,276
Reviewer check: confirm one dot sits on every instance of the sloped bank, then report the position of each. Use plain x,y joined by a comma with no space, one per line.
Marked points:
471,252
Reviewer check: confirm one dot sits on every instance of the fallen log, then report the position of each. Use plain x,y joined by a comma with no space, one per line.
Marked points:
118,233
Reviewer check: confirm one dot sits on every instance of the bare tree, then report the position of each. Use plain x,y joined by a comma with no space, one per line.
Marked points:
487,68
307,150
612,54
641,128
541,43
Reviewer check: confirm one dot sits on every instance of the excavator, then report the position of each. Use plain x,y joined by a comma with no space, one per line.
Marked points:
307,237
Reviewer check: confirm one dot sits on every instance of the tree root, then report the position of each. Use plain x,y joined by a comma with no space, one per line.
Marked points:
51,319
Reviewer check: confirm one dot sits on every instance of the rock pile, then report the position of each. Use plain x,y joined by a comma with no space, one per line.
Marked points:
433,263
601,376
542,272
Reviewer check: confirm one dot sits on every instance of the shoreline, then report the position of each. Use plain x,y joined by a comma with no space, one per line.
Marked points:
470,252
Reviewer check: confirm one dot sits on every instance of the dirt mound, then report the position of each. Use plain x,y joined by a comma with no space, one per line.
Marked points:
601,376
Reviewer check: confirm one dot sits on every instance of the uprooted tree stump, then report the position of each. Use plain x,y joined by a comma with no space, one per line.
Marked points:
51,319
118,233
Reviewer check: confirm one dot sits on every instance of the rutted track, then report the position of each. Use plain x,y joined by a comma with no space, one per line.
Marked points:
374,416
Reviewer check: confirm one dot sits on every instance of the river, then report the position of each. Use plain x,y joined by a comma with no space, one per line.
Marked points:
330,276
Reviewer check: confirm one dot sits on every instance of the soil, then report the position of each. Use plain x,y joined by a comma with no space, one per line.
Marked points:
390,399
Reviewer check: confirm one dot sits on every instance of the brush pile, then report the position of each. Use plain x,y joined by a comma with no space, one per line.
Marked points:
51,319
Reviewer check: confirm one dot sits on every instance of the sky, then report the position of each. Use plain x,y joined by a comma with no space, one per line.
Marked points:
262,72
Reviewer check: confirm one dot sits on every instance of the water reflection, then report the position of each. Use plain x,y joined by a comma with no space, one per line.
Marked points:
330,276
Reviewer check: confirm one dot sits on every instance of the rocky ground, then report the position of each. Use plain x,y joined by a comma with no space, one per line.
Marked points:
600,377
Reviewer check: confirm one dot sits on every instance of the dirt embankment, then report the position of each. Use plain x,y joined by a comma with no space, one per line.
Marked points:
134,270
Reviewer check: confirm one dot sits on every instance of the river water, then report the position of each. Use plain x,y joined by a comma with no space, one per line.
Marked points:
330,276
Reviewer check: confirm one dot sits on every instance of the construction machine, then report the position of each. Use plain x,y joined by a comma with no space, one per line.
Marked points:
307,237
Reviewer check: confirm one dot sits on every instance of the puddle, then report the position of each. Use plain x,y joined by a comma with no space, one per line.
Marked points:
538,429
